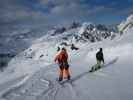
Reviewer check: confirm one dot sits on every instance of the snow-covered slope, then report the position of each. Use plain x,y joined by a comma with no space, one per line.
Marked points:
127,24
32,74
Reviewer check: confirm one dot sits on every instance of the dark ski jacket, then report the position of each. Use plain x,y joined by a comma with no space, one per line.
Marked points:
99,56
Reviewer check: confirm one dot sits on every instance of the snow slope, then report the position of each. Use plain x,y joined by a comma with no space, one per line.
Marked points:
127,24
32,74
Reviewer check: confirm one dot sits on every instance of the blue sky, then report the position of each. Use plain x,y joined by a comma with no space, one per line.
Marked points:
58,12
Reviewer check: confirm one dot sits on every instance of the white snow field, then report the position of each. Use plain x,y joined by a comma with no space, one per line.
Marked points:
32,74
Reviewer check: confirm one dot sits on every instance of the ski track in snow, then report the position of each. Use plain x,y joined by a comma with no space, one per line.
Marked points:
41,87
36,87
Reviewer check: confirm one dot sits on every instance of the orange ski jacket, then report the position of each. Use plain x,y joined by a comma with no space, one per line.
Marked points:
62,56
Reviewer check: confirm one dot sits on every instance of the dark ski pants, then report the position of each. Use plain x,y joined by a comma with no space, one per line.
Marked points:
98,64
64,70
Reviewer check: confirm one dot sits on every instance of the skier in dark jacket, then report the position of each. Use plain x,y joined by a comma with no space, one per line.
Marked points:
99,56
100,59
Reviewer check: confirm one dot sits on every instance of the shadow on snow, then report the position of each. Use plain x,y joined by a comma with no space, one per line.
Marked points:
85,73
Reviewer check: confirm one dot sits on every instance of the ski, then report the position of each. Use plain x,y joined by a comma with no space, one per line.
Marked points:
65,81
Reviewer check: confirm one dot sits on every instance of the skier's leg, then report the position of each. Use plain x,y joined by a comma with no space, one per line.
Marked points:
67,72
98,65
68,75
64,71
60,72
64,74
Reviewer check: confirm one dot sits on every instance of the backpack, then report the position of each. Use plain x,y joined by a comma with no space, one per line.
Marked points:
62,56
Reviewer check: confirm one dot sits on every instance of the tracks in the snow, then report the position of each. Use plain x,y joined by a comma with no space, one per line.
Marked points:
52,91
37,87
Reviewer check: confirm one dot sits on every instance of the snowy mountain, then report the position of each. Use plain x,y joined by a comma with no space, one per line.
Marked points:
86,32
127,24
25,35
32,74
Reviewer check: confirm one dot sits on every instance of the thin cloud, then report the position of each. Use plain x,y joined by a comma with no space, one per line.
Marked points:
53,12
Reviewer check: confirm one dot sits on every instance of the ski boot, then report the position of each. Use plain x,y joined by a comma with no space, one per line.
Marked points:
69,77
60,79
92,69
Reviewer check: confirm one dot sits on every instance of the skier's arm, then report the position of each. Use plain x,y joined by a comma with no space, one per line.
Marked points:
56,58
103,58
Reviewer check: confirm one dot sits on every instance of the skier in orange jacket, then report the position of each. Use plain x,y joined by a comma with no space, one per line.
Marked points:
62,59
